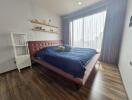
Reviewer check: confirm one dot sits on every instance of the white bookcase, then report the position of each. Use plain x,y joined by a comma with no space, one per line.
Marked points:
21,51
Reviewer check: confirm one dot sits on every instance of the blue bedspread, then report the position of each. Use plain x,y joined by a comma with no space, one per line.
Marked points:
72,62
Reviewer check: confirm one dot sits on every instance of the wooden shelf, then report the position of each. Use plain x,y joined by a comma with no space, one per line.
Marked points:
43,31
40,23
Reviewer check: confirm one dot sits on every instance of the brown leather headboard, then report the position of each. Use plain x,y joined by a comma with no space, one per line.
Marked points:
35,46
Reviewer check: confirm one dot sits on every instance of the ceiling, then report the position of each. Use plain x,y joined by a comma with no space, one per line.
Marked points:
63,7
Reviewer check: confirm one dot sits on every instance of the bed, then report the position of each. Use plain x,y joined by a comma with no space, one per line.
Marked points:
75,65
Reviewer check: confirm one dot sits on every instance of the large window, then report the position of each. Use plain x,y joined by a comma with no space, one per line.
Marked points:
87,32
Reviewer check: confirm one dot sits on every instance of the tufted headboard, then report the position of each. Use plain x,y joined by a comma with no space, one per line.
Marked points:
35,46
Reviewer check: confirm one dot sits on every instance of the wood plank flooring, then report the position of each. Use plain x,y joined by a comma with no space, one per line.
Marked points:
33,84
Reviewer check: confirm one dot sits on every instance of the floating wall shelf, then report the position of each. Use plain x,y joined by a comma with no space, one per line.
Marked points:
40,23
41,30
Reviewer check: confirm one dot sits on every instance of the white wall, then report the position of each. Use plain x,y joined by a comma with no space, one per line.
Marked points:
126,53
39,11
14,17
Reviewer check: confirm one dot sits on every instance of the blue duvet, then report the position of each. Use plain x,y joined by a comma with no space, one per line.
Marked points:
72,62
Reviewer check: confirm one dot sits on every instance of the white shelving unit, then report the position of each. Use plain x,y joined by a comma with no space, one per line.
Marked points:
21,51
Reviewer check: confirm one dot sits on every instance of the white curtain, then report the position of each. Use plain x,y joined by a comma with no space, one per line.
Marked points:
87,32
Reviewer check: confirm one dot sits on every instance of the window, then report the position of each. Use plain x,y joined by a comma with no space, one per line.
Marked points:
87,32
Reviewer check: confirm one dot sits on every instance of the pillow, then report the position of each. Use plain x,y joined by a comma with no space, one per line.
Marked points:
67,48
60,48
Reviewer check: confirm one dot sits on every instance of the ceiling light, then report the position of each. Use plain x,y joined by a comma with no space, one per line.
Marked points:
79,3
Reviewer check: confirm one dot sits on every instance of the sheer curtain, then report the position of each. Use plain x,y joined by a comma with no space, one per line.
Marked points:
87,32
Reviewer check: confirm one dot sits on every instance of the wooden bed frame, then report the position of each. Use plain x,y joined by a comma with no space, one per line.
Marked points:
35,46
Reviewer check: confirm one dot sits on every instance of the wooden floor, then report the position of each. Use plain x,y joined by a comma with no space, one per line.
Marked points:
32,84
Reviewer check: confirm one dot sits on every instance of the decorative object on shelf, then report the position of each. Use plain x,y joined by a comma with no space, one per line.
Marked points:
39,28
51,30
21,51
130,24
49,21
43,21
34,20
